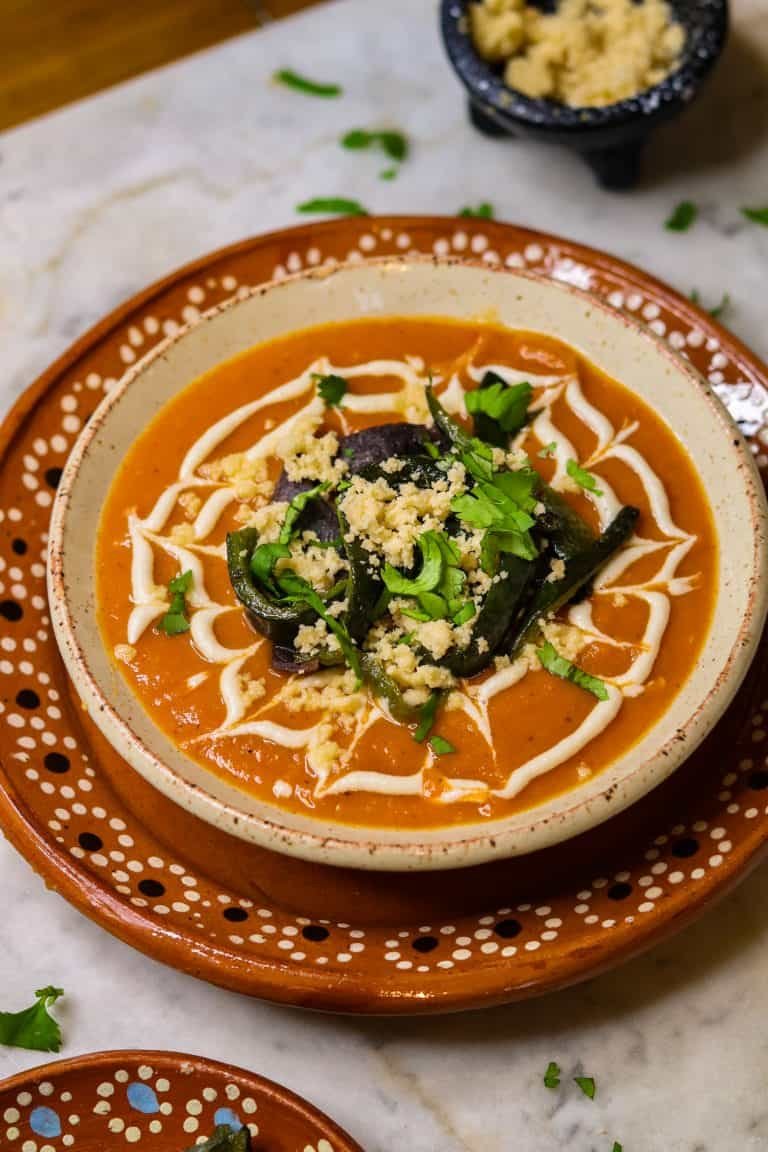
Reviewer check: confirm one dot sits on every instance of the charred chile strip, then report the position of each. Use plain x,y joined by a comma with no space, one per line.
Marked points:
446,426
383,686
579,568
363,588
278,622
565,530
494,618
318,516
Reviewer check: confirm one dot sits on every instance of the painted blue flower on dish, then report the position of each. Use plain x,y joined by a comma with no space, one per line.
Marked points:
45,1122
227,1116
142,1098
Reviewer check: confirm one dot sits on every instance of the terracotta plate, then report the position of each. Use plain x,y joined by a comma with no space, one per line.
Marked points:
280,928
159,1100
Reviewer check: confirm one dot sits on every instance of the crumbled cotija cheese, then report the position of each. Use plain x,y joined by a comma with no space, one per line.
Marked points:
249,478
267,520
556,571
568,640
191,503
332,690
251,689
183,534
310,638
125,652
307,456
320,567
389,519
586,54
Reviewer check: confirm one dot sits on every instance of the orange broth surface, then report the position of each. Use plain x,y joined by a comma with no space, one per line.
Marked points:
527,718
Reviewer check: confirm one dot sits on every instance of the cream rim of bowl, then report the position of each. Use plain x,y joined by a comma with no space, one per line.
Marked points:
431,288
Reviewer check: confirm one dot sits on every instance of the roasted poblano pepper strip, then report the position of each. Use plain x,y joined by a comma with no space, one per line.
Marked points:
383,686
364,587
494,618
564,529
579,568
225,1139
278,622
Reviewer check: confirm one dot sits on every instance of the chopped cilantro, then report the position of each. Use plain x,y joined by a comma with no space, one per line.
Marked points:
296,590
718,310
498,409
466,612
295,509
175,620
33,1028
756,215
225,1139
438,585
303,84
552,1075
502,506
583,478
617,1147
388,174
432,564
682,216
393,144
557,665
427,718
432,449
332,206
587,1085
440,746
482,211
263,561
548,450
331,389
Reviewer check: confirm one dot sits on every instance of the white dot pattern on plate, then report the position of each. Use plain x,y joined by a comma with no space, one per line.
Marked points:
50,766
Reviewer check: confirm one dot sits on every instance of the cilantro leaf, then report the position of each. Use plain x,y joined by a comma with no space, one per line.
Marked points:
331,389
225,1139
587,1085
175,621
557,665
583,478
465,613
756,215
682,216
498,409
718,310
388,174
482,211
303,84
617,1147
332,206
427,716
548,450
393,144
33,1028
296,590
552,1075
440,746
296,507
432,564
263,561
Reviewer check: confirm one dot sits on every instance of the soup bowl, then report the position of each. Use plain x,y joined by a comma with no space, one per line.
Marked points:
412,288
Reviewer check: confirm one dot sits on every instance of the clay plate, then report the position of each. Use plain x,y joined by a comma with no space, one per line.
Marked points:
160,1100
249,919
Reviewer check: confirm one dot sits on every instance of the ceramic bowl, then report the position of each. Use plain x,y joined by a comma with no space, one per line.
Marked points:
611,139
413,287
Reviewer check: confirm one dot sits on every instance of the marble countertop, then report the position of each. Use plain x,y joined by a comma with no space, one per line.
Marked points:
103,197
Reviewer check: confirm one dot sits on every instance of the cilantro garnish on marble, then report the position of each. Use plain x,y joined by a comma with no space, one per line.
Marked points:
300,83
33,1028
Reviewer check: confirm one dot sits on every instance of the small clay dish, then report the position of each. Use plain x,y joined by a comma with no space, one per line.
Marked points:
163,1101
410,286
612,138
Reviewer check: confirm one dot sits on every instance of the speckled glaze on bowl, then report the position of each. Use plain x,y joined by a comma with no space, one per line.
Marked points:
415,287
612,138
163,1101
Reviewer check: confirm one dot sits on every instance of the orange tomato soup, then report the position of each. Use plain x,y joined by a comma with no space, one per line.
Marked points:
399,783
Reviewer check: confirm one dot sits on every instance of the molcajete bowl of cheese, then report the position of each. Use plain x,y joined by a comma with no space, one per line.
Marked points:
408,564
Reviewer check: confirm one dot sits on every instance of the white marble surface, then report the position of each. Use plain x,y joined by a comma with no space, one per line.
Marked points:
105,196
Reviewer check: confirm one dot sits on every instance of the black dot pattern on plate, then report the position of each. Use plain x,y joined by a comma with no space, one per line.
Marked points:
236,915
19,546
151,888
508,929
52,477
27,698
687,846
758,780
619,891
56,762
90,842
315,932
10,610
425,943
